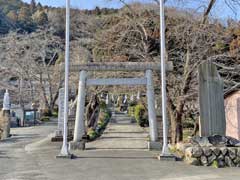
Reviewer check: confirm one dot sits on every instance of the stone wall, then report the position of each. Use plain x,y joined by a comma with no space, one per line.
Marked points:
213,156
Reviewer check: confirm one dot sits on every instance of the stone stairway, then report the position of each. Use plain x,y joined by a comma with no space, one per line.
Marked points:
121,134
121,118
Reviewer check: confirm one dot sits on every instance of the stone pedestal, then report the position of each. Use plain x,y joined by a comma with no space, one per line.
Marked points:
5,124
77,145
153,145
167,158
68,156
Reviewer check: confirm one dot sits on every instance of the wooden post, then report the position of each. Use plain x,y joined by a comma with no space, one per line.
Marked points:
211,99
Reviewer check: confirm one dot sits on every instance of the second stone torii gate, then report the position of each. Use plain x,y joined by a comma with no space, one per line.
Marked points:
79,129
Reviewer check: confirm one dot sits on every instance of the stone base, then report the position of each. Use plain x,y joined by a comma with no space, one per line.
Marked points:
60,138
5,120
77,145
61,156
166,157
152,145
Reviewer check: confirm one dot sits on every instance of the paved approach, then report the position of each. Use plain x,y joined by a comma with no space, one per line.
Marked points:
29,155
121,134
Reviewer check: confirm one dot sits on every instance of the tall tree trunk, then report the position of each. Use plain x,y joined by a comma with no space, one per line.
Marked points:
173,124
175,116
179,125
92,111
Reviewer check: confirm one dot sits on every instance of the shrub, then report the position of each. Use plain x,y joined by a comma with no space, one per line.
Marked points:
188,123
107,116
133,103
55,114
100,123
215,164
46,112
103,120
140,115
45,119
103,105
131,111
91,134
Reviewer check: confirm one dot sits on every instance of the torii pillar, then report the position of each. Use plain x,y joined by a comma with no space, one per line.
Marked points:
154,141
78,143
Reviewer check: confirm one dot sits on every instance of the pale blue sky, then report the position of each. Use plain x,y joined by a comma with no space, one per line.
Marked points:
221,10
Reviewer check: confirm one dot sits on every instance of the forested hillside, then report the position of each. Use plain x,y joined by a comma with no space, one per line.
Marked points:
32,48
16,15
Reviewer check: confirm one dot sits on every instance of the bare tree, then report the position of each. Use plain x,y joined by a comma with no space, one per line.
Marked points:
34,59
135,37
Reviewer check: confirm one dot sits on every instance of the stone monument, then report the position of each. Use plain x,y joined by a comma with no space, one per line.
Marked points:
60,112
6,117
211,99
107,100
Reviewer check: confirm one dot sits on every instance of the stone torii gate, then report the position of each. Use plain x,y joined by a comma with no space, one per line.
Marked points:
84,81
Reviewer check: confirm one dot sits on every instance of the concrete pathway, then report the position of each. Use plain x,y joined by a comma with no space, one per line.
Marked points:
121,134
16,163
30,155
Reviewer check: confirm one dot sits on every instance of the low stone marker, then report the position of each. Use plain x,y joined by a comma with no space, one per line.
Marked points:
5,117
211,99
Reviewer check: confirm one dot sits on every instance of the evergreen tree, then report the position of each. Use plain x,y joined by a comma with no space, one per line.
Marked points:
25,20
12,15
40,17
33,6
39,6
24,14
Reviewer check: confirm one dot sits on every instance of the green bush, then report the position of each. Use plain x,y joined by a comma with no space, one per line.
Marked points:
188,123
215,164
107,116
101,124
92,134
131,111
103,120
55,114
133,103
103,105
46,112
45,119
140,115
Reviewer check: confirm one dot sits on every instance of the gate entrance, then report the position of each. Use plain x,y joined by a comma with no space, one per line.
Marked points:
84,81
